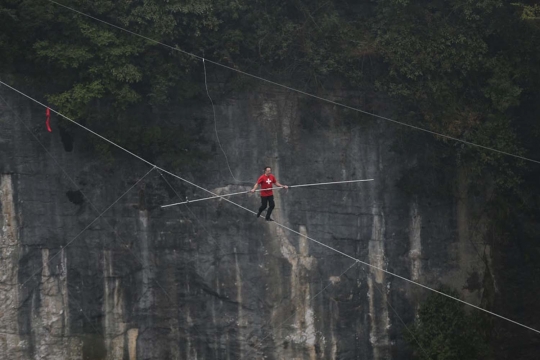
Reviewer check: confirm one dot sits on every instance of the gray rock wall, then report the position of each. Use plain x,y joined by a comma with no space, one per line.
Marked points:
209,281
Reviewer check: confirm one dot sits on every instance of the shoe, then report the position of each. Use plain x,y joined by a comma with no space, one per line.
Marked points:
269,219
259,215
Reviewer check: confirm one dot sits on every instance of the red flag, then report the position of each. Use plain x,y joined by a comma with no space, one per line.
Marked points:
48,121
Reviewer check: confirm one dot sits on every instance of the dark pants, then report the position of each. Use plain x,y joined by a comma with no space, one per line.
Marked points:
264,202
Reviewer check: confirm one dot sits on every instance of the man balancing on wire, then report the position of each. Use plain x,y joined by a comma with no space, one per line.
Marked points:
267,196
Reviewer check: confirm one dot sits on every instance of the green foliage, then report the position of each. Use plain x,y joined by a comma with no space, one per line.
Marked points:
102,76
443,330
495,133
460,67
529,12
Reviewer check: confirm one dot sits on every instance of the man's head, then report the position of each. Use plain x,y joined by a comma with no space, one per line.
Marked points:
267,170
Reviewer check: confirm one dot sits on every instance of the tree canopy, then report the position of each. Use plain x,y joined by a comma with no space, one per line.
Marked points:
443,330
460,67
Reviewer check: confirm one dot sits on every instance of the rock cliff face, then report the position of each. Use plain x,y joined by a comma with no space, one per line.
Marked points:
208,280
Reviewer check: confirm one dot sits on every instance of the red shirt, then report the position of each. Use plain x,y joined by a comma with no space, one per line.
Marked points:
266,183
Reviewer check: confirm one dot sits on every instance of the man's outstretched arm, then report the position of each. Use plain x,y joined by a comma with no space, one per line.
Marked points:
254,187
280,185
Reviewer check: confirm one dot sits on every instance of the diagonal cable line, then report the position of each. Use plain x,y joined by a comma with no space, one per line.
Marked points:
297,90
278,224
